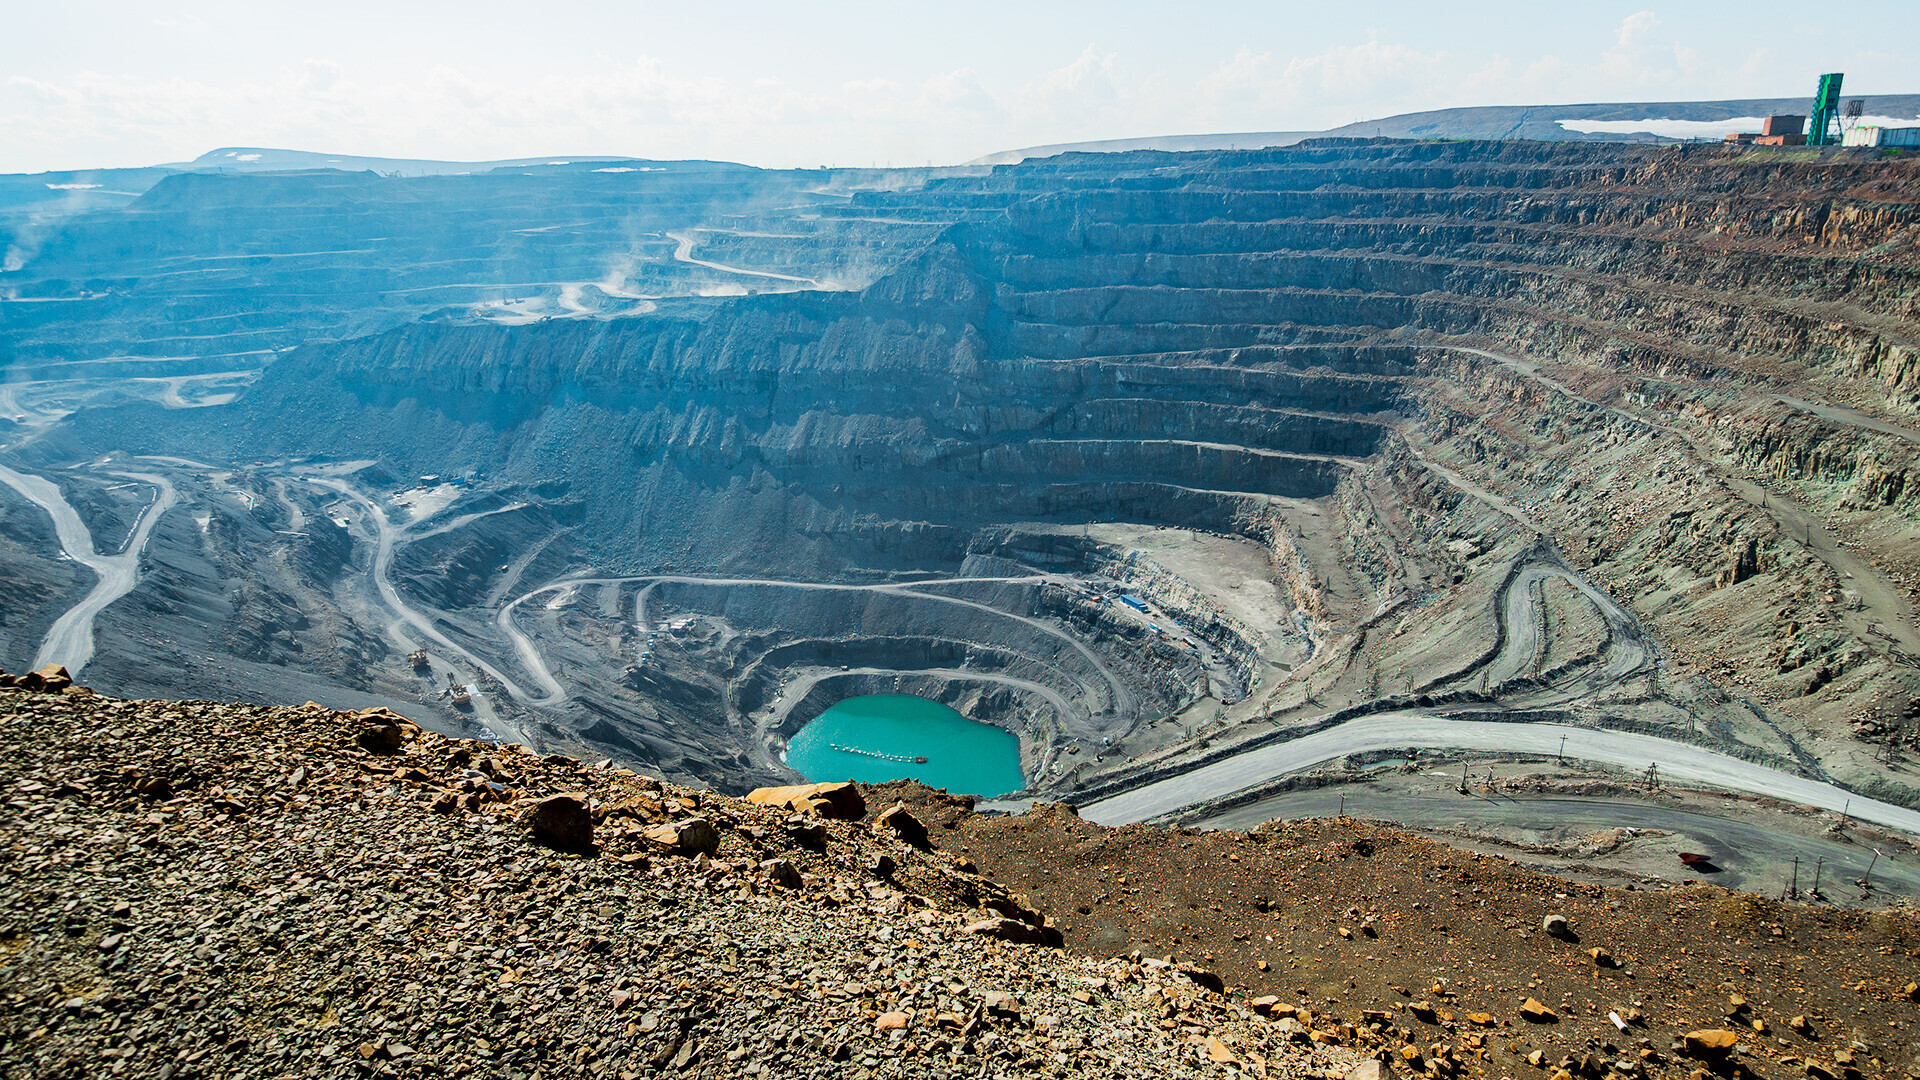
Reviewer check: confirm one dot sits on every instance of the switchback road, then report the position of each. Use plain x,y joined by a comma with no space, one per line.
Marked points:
70,640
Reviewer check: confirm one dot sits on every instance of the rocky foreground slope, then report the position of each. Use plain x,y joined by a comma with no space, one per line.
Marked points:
228,890
196,889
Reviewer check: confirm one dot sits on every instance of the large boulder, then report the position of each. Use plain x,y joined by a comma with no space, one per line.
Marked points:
386,731
50,679
1016,931
781,872
565,821
806,832
897,822
837,801
1203,978
1534,1011
1709,1044
691,836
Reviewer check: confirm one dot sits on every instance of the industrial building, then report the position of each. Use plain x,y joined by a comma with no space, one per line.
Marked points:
1826,126
1875,135
1785,130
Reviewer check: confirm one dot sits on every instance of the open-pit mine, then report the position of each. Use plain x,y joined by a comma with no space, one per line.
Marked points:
1209,476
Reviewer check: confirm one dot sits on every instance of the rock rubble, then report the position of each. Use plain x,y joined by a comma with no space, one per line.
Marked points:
208,890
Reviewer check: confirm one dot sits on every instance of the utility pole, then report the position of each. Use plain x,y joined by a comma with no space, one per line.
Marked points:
1866,883
1463,778
1844,807
1794,892
1815,893
1343,804
1561,757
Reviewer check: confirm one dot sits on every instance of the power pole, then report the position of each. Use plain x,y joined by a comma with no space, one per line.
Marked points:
1561,757
1815,893
1794,891
1866,883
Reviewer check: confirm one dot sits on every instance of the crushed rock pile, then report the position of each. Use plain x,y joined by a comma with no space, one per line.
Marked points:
207,890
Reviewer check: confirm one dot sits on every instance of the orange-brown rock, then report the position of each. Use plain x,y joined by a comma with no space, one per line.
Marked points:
1709,1042
838,801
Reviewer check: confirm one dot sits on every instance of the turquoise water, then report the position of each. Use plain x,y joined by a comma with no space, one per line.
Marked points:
965,757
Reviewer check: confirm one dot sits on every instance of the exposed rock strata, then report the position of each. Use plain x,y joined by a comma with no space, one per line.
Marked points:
1274,346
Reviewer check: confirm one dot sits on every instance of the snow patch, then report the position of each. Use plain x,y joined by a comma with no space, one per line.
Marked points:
1664,127
72,187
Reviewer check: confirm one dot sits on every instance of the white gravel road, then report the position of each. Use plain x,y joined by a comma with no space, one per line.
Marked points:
1394,731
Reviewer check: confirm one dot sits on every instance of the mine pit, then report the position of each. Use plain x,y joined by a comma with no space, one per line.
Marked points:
1151,464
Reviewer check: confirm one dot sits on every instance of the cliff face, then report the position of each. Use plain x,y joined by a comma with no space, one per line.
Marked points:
892,405
1211,321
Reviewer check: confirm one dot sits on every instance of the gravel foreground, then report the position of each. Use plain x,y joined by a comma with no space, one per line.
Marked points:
191,889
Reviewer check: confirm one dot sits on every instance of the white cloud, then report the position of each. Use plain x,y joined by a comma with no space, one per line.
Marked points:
675,105
1643,58
319,76
1091,75
960,89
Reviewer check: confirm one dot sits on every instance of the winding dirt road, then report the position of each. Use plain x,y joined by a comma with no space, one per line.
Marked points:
1121,699
683,252
1891,615
1628,650
69,642
1756,856
384,537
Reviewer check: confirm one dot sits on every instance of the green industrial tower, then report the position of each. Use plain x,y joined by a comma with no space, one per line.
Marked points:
1826,106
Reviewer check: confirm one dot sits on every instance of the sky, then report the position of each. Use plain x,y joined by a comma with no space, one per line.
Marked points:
98,83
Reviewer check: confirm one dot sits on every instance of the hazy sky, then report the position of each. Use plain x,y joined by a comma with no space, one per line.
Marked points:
86,84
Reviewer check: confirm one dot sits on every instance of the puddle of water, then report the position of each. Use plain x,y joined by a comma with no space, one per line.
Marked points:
876,738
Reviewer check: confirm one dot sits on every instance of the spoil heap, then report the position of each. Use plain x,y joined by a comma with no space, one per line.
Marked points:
1453,962
195,889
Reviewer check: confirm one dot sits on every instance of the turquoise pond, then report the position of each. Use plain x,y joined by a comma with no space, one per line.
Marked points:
965,757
